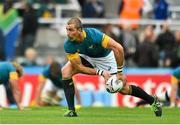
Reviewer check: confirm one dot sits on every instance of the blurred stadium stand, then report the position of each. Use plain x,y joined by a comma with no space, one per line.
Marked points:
51,33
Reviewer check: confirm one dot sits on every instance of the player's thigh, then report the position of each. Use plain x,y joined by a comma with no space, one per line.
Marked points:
68,71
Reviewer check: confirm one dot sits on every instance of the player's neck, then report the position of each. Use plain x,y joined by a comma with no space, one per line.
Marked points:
81,37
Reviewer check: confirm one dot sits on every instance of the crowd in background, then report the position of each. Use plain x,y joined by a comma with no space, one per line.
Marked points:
145,48
148,48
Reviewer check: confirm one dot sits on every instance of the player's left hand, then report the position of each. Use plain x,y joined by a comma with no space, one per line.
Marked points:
121,77
106,75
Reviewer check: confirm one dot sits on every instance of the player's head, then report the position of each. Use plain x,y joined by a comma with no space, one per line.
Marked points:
55,69
74,28
19,68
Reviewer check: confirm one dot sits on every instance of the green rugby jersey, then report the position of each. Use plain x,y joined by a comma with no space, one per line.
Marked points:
93,45
7,71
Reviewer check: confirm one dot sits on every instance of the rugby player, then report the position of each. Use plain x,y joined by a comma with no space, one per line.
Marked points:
53,90
172,94
175,88
10,72
92,52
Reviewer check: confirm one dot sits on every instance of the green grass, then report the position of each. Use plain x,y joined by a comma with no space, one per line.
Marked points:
90,115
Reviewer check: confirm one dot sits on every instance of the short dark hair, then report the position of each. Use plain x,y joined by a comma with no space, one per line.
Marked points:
55,69
76,21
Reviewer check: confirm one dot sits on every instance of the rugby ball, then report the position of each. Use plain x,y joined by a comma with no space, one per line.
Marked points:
113,84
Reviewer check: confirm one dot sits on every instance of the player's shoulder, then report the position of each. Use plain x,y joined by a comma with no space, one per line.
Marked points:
46,70
7,65
92,30
177,70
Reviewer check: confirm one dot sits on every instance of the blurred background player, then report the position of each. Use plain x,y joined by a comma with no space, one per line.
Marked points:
175,89
10,72
50,89
171,95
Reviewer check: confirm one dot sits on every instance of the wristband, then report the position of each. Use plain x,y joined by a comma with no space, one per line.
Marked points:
120,69
99,72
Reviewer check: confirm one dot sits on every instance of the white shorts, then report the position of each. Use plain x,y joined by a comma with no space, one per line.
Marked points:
49,86
107,63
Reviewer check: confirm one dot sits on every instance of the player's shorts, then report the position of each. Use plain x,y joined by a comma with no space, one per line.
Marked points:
49,86
107,63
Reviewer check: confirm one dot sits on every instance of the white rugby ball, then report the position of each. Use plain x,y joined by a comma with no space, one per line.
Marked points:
113,84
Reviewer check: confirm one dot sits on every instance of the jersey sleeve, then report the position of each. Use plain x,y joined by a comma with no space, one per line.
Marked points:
100,38
176,75
13,75
71,51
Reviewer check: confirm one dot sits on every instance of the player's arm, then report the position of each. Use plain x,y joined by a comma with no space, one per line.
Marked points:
15,88
118,53
79,67
41,83
174,89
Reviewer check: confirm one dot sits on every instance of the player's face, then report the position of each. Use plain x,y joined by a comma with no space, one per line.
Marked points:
72,32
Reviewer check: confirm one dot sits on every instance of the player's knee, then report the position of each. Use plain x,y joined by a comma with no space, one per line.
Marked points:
66,73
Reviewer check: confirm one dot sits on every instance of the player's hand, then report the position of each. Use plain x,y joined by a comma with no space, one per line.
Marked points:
106,75
20,107
120,76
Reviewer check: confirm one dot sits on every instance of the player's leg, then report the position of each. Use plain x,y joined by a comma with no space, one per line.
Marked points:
68,85
108,63
140,93
163,97
69,89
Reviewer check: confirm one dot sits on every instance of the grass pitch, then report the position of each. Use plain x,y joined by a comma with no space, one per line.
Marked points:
89,115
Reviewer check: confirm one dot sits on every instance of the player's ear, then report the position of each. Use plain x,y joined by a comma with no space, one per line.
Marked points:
79,29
